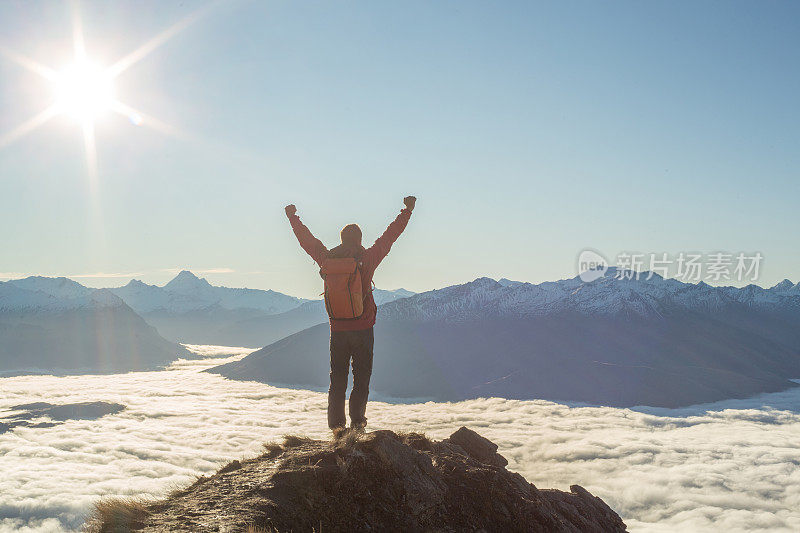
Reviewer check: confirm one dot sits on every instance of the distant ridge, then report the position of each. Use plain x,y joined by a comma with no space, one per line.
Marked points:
611,295
189,309
186,293
58,325
619,342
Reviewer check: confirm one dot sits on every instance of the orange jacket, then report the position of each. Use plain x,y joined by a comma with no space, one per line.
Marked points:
370,259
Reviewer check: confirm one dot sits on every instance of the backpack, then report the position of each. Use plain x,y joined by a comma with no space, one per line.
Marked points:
344,298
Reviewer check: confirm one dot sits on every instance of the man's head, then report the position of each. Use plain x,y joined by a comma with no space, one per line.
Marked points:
351,236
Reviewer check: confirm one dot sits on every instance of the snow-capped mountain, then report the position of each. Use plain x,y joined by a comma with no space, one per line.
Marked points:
56,287
383,296
12,298
58,324
187,293
189,309
53,295
613,294
613,341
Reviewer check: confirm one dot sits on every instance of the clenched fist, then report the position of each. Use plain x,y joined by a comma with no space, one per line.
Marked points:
410,202
290,210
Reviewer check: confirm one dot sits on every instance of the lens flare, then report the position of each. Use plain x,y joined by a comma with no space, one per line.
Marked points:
85,90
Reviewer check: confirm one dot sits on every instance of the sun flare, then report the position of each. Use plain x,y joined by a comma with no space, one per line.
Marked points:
84,91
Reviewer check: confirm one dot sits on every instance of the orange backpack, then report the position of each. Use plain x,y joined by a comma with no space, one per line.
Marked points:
344,298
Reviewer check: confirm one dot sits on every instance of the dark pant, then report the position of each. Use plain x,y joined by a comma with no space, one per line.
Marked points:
347,345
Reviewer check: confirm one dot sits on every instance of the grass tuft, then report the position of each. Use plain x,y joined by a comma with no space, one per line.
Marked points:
346,439
230,467
272,450
418,441
118,515
293,441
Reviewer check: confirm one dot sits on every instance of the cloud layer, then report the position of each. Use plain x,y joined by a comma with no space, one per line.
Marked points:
726,466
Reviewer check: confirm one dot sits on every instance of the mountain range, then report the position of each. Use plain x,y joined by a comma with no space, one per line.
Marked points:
186,293
616,341
59,325
189,309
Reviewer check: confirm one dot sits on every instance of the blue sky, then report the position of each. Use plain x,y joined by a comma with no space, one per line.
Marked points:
528,131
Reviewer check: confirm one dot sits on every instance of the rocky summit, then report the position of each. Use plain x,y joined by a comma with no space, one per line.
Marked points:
376,481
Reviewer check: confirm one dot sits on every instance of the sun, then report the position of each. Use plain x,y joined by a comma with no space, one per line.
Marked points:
83,91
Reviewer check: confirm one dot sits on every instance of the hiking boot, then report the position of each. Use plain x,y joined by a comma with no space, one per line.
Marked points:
338,431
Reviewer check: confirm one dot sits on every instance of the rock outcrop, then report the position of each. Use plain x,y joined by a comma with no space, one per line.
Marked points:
378,481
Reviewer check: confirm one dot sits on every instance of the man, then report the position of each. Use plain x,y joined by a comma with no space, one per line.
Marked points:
352,338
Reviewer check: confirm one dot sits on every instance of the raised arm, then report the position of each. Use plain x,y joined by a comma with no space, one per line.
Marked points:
383,244
308,242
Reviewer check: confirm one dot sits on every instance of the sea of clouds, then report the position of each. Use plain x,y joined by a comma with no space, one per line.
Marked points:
730,466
